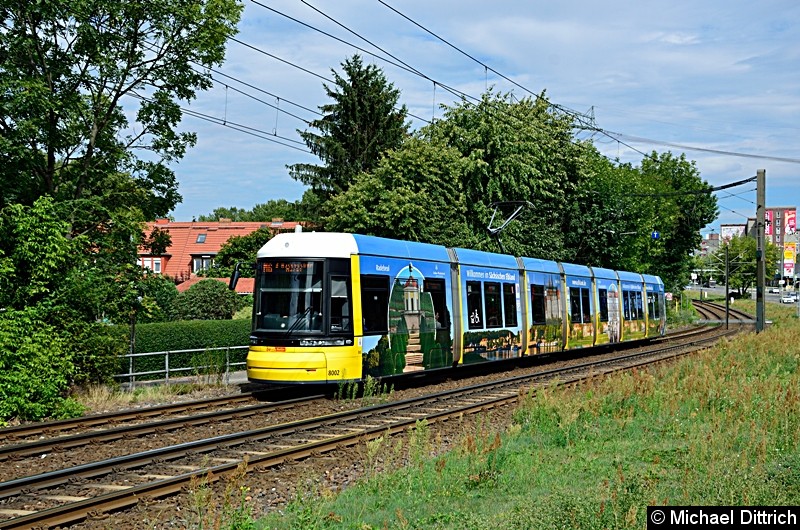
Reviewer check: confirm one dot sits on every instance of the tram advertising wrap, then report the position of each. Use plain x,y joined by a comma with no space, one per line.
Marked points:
332,308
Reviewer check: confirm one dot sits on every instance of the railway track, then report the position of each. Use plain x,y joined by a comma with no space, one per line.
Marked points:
33,440
65,496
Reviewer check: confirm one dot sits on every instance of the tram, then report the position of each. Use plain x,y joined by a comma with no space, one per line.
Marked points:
336,307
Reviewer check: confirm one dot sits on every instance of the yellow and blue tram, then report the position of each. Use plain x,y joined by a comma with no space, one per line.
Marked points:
334,307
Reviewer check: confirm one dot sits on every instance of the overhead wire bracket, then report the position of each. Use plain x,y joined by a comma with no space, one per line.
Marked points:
494,231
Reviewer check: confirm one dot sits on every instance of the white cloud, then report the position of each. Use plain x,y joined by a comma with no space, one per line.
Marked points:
721,75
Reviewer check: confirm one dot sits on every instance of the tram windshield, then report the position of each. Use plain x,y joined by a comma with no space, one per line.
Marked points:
289,296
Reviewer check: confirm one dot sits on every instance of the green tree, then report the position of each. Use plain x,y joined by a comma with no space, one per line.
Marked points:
35,368
684,204
73,191
515,151
206,300
65,70
603,220
158,295
265,212
241,248
361,124
741,262
157,242
414,193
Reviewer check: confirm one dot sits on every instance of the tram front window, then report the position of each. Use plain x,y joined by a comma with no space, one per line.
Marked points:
289,296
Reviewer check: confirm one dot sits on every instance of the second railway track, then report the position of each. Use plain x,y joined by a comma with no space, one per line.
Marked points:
65,496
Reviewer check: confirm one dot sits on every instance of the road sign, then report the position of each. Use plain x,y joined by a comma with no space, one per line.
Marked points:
655,235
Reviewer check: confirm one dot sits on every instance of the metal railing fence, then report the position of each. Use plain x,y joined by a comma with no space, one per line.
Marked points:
168,371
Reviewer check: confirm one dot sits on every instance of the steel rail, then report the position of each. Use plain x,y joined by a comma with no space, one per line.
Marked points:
120,499
38,447
49,427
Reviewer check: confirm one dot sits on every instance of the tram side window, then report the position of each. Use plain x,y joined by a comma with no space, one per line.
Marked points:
538,314
494,317
586,306
639,307
340,304
602,295
552,303
651,306
375,304
474,303
510,304
575,305
436,288
626,305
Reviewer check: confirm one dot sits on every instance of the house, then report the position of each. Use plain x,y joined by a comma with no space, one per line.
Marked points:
194,245
243,286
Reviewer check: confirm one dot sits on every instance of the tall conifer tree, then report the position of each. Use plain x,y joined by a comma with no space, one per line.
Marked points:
361,124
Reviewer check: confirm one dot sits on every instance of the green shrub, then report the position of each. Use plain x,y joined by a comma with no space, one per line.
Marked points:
35,369
206,300
96,349
186,335
191,334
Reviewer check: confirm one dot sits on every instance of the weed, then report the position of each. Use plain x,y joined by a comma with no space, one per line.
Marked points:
231,511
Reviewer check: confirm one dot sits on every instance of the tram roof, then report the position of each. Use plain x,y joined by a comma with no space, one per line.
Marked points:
626,276
655,280
606,274
570,269
341,245
485,259
540,265
381,246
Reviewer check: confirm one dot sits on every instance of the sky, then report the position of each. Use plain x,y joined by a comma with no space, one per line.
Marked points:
716,80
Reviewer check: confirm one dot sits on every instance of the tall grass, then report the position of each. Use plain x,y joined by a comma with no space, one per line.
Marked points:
719,428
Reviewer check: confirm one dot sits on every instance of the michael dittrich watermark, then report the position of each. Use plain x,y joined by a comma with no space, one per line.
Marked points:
761,517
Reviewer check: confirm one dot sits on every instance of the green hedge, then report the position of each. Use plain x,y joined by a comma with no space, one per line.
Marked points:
188,335
191,334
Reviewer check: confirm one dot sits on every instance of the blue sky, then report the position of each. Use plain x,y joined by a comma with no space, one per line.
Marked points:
722,77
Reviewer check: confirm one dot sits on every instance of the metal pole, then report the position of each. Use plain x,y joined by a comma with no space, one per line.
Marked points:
132,344
760,258
727,295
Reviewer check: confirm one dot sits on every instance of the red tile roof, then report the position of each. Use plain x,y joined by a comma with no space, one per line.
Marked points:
187,242
243,286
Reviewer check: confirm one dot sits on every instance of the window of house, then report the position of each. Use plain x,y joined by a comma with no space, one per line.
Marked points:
200,263
201,238
150,264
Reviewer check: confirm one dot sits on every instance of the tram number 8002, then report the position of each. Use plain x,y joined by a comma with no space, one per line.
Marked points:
333,373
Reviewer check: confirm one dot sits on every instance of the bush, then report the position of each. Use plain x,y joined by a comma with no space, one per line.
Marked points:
206,300
158,296
191,334
35,369
187,335
96,349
